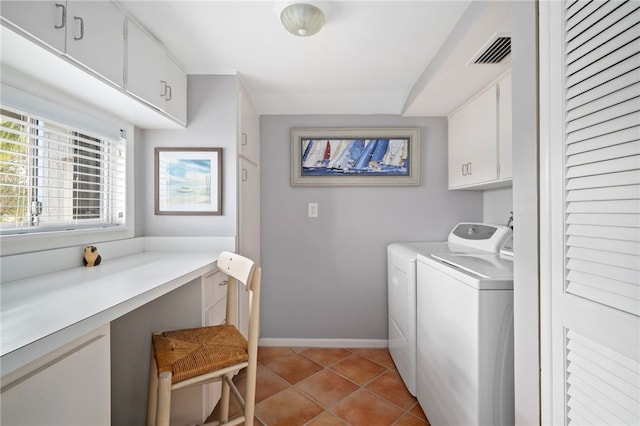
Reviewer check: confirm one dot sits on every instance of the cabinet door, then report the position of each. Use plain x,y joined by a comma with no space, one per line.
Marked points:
44,20
473,142
175,98
214,289
145,66
248,228
504,127
95,37
249,128
71,387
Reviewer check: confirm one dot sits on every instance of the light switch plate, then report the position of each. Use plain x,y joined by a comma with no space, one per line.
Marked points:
313,210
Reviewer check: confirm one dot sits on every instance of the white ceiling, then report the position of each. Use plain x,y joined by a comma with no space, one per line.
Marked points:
371,57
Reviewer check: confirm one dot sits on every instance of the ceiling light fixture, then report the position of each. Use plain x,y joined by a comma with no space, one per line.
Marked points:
302,19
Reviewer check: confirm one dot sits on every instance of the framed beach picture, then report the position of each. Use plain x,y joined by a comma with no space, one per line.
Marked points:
188,181
355,157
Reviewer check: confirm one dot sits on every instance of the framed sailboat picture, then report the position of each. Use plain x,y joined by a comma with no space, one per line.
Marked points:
355,157
188,181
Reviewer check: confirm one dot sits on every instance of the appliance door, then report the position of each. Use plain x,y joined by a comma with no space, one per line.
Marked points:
402,322
464,350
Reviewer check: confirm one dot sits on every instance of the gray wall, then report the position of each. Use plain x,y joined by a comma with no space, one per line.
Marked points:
212,122
325,277
498,204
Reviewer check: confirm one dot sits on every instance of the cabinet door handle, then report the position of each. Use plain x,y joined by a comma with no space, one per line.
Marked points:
464,170
169,93
63,16
77,18
164,88
469,169
244,139
223,283
244,175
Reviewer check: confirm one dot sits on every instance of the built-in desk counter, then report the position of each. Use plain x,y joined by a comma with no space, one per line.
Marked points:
40,306
43,313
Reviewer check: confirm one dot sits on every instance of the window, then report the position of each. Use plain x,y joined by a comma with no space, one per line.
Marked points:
55,177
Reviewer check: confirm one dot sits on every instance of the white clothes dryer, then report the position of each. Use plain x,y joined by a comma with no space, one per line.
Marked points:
401,271
465,334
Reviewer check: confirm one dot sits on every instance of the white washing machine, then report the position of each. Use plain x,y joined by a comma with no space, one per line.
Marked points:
465,332
402,277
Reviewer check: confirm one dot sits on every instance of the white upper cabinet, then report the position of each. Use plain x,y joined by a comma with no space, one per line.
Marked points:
480,140
91,33
152,76
473,142
44,20
145,65
95,37
249,128
175,95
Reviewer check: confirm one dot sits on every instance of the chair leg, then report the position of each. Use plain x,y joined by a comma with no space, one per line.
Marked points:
224,401
164,399
152,392
250,397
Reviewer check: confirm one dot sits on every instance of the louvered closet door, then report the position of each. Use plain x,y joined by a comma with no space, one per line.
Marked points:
595,286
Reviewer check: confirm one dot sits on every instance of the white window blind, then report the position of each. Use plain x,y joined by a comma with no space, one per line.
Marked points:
602,207
57,177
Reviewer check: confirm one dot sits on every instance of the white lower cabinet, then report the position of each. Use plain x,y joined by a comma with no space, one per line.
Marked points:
71,386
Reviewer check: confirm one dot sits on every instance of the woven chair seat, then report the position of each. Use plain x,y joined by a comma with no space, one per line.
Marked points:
192,352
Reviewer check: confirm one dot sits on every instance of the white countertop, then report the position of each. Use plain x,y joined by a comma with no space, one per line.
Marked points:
34,308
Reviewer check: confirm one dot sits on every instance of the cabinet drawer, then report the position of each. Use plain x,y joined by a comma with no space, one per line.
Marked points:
215,288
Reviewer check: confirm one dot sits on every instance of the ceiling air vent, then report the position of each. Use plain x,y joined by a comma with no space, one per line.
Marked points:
494,51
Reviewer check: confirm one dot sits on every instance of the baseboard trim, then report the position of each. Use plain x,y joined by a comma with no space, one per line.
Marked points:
324,343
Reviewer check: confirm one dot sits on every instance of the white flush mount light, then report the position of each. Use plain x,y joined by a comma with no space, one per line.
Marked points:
303,19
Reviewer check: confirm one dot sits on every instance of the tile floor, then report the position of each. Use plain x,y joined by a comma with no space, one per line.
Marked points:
330,386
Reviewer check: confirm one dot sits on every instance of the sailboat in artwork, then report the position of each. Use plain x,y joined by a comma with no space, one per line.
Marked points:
316,154
396,155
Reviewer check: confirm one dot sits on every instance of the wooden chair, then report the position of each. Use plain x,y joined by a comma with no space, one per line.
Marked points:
192,357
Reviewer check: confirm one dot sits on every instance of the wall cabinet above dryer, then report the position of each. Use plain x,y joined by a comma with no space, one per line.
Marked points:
480,139
90,33
152,76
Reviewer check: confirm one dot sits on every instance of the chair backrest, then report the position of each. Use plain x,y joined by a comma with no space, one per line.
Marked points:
241,269
237,266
